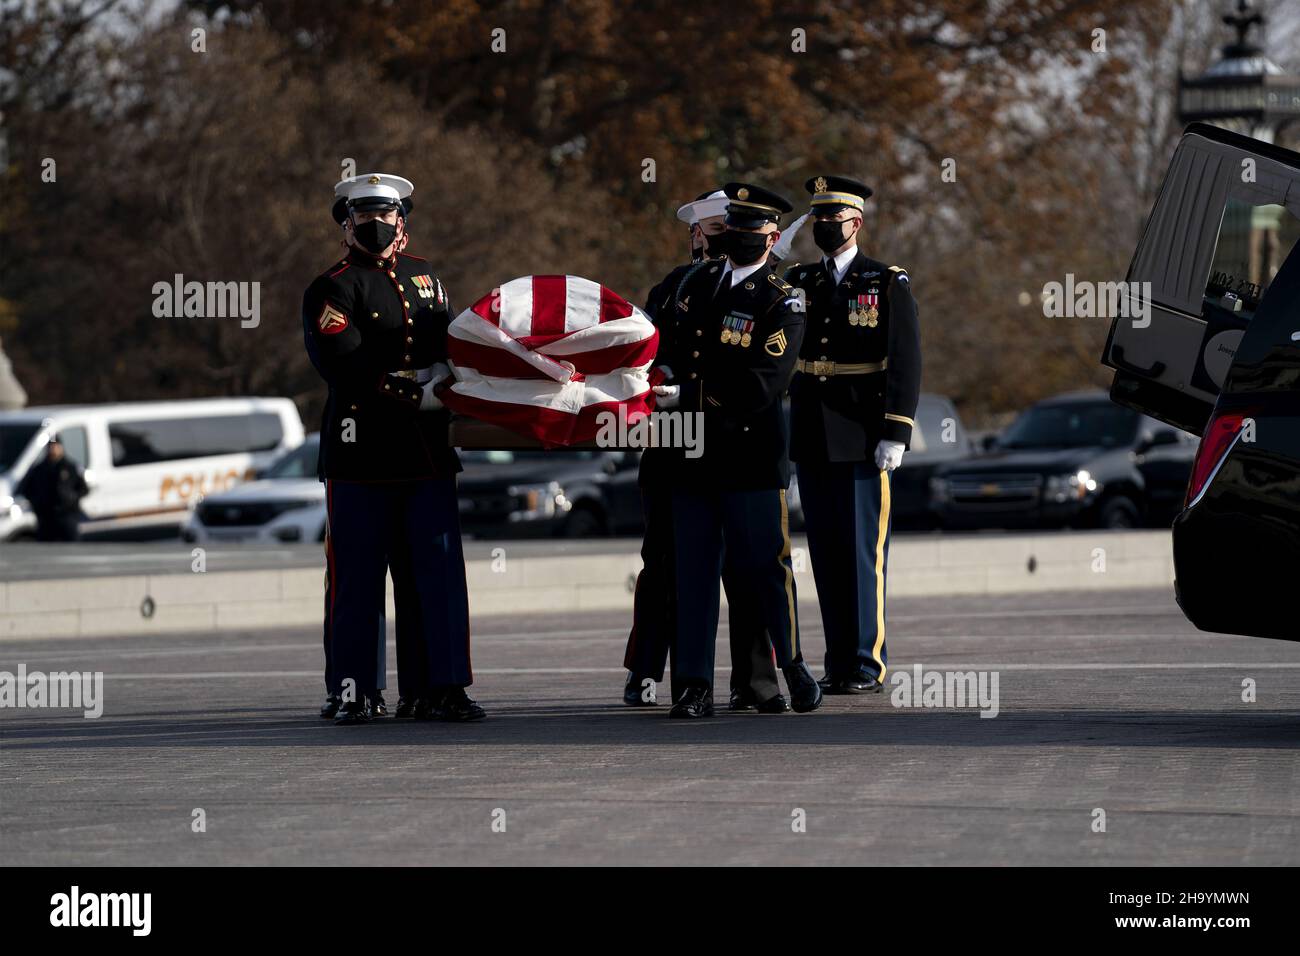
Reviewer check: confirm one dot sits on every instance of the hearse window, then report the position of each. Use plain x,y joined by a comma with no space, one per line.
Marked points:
169,439
74,445
14,439
1253,243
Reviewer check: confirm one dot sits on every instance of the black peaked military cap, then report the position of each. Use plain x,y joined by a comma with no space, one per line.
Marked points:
833,193
750,206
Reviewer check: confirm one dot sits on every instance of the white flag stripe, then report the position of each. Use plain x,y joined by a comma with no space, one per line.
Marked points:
620,386
517,307
634,328
581,303
472,327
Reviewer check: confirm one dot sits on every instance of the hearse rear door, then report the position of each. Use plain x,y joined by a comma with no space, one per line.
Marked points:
1225,219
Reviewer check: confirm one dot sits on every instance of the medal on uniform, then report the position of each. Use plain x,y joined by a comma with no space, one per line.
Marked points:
856,317
736,329
872,313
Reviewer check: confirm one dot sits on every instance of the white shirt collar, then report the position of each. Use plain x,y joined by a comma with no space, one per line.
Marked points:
841,262
744,272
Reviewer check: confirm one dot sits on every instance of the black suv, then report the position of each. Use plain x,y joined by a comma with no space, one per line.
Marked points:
1219,355
1075,460
570,493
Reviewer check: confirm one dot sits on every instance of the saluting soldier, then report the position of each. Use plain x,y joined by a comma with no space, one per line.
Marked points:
852,408
732,347
754,683
379,321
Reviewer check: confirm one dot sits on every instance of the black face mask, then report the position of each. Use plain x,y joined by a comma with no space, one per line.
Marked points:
375,235
717,245
745,248
829,236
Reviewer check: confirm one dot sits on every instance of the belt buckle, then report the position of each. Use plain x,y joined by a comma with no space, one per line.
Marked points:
407,373
823,368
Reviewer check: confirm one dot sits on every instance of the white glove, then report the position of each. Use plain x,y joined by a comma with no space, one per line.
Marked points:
782,248
430,402
668,396
889,455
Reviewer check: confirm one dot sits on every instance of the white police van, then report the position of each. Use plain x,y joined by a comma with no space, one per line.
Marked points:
146,463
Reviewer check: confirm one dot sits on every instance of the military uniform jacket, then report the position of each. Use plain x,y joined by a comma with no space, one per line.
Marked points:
732,350
869,319
371,325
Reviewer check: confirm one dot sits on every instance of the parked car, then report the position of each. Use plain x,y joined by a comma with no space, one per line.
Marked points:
284,503
1075,460
570,493
938,438
1222,359
146,463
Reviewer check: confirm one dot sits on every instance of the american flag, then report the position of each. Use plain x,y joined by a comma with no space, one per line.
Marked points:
544,355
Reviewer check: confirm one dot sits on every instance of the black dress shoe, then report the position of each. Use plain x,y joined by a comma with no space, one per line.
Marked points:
455,706
634,692
330,707
378,706
694,702
405,708
826,681
353,712
773,705
742,700
805,694
861,682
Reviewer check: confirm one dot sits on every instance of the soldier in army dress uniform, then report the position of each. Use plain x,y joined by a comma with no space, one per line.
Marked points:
852,405
731,347
378,323
753,670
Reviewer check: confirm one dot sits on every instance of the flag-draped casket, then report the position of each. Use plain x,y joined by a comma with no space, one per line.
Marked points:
544,356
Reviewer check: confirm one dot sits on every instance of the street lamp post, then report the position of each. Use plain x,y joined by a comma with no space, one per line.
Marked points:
1243,90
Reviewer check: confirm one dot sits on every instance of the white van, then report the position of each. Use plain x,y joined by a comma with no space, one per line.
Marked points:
146,463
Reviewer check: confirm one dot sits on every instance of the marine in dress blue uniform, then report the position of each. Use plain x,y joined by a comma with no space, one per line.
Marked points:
732,346
378,321
754,683
340,214
852,408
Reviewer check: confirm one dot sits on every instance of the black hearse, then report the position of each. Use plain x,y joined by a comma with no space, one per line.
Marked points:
1220,357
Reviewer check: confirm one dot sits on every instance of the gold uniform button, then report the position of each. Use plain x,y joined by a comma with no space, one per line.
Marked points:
388,388
825,340
407,304
400,287
374,315
409,340
821,378
826,321
410,321
823,358
354,408
693,375
699,331
406,358
695,355
392,275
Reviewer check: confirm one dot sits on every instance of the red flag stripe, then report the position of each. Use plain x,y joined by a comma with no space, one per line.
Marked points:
549,293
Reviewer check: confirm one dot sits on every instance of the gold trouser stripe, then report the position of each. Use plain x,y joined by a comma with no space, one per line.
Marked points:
789,576
882,536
